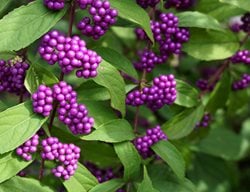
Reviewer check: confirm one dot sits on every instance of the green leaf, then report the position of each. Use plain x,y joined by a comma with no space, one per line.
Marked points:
3,4
118,60
24,25
108,186
109,77
10,165
146,184
130,159
37,75
114,131
211,45
18,124
81,181
220,94
243,4
21,184
183,123
199,20
129,10
237,100
187,95
171,156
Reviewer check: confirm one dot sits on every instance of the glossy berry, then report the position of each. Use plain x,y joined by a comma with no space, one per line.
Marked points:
66,155
140,34
134,98
179,4
144,143
243,83
205,121
43,100
28,148
147,3
242,56
54,4
245,22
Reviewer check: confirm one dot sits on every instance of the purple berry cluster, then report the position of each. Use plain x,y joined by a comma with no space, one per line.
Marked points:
54,4
163,91
140,34
242,56
102,16
12,75
28,148
245,22
179,4
71,53
243,83
66,155
144,143
205,121
147,3
43,100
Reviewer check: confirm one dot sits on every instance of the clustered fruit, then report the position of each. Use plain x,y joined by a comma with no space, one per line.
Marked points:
54,4
243,83
12,75
71,113
242,56
245,22
144,143
163,91
70,53
147,3
179,4
66,155
205,121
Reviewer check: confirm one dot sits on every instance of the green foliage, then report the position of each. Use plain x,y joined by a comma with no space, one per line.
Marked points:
108,186
146,184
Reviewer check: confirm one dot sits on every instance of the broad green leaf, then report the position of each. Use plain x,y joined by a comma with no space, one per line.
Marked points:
112,132
237,100
3,4
220,94
171,156
211,45
183,123
18,124
109,77
187,95
146,184
118,60
223,143
81,181
10,165
130,159
108,186
243,4
24,25
37,75
199,20
21,184
129,10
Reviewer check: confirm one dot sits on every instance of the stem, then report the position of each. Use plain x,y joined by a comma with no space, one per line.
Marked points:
41,170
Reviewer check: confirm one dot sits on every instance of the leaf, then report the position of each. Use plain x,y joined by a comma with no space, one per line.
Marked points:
10,165
130,159
3,4
243,4
220,94
37,75
237,100
118,60
108,186
171,156
114,131
18,124
24,25
21,184
211,45
183,123
146,184
129,10
81,181
199,20
187,95
110,78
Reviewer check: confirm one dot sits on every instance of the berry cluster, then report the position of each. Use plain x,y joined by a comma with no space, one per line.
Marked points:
242,56
28,148
163,91
147,3
144,143
243,83
245,22
66,155
12,75
70,53
54,4
206,119
140,34
102,17
235,24
179,4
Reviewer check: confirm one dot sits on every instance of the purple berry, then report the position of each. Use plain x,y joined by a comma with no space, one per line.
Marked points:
245,22
243,83
54,4
179,4
242,56
147,3
205,121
